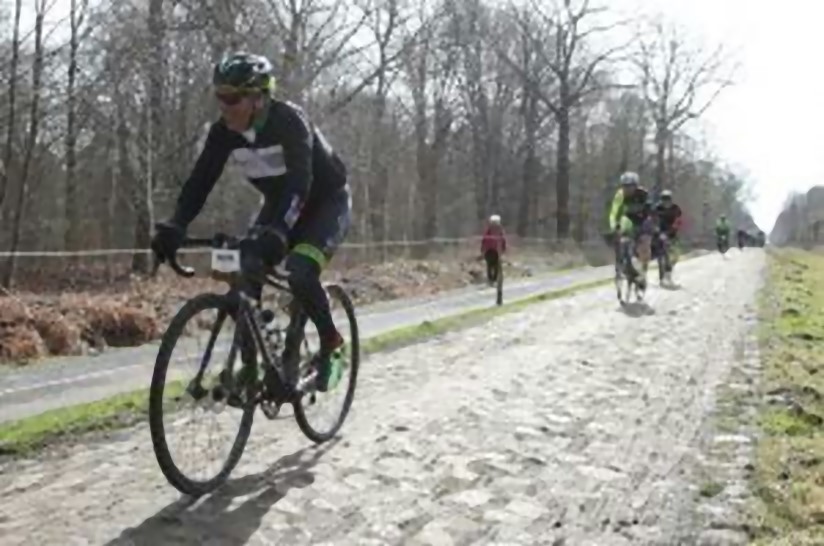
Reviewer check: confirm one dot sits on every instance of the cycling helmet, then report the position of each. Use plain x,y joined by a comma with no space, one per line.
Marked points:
495,219
666,194
629,178
244,72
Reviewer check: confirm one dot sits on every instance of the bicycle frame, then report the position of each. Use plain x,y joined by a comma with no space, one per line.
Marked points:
280,391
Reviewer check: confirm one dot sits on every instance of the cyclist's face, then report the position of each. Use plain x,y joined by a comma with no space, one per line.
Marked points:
666,201
629,189
237,110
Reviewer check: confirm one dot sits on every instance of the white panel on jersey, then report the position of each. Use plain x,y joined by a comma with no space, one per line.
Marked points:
260,162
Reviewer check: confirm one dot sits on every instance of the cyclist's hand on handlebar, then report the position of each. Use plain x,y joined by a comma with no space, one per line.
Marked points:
167,240
262,249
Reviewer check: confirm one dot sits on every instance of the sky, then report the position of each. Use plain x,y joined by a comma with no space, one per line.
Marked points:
771,123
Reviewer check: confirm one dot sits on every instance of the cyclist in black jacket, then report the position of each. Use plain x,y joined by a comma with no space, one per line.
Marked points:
306,199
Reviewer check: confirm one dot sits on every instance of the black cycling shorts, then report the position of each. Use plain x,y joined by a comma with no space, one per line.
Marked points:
321,228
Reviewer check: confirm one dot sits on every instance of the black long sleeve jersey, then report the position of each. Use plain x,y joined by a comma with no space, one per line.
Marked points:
286,158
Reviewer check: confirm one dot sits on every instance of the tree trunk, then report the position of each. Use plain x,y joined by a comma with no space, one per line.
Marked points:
31,141
660,159
562,187
71,217
8,152
380,172
143,225
669,172
582,186
526,204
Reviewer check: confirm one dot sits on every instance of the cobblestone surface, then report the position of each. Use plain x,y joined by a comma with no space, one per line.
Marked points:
571,423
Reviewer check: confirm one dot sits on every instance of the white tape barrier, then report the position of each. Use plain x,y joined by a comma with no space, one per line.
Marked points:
134,251
511,241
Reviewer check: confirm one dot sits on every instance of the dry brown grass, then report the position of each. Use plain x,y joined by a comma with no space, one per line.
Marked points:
54,320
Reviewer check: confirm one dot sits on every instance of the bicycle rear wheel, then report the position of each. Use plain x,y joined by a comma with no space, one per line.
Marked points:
309,404
191,398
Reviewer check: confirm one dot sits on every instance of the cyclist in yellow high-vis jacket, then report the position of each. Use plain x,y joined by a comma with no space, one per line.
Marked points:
629,211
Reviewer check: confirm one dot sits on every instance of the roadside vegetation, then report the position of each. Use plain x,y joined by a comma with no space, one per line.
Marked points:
789,467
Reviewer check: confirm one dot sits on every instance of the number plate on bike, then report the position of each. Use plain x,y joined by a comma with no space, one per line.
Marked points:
225,260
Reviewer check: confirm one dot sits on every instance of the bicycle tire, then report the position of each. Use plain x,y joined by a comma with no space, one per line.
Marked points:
319,437
173,474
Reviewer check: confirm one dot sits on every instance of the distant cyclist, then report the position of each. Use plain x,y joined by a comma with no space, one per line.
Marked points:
742,236
629,213
493,245
669,222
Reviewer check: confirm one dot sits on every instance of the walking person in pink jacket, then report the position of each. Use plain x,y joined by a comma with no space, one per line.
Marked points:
493,245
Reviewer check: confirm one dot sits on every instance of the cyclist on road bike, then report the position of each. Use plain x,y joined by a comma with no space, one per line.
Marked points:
742,237
669,221
722,232
669,215
493,244
629,213
306,199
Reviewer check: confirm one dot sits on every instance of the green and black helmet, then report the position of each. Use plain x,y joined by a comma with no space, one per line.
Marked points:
244,72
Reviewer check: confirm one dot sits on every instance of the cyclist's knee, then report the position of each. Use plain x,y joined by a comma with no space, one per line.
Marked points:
304,273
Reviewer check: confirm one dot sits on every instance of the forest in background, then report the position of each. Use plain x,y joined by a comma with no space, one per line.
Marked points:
445,111
801,222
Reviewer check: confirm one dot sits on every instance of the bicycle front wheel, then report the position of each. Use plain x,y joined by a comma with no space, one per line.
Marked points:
194,405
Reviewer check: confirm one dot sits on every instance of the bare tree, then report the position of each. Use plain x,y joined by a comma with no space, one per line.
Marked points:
575,68
155,141
314,36
432,75
12,114
386,18
31,139
679,81
532,115
443,110
72,207
488,92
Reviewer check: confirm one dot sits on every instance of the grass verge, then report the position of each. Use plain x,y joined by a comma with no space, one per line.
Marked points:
25,436
789,469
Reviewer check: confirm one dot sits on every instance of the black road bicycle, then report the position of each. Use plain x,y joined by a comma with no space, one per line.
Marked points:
723,243
625,275
236,391
663,258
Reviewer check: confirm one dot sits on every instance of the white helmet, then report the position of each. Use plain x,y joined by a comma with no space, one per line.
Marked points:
495,219
666,193
629,178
